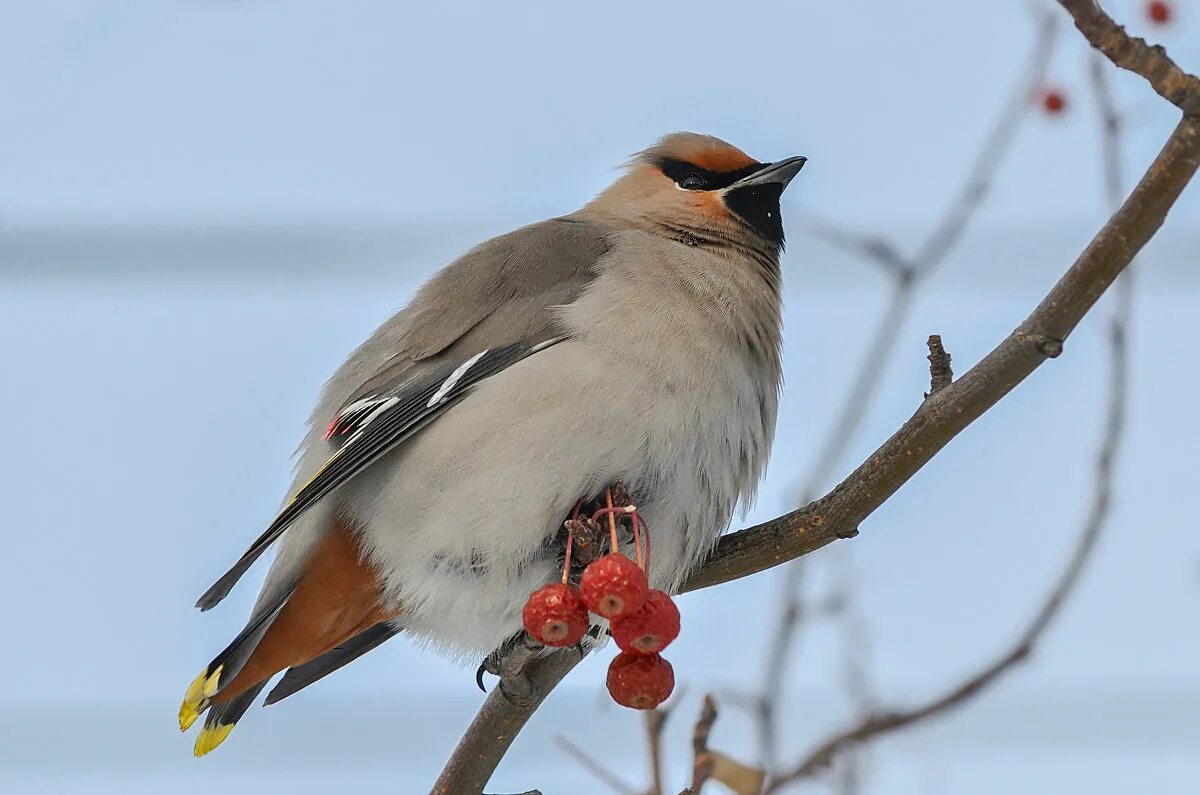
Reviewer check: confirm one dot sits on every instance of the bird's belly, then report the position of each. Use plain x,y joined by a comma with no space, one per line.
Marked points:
459,521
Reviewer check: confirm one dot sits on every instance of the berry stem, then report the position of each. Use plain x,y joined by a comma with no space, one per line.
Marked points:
570,543
636,520
567,558
612,519
639,521
628,509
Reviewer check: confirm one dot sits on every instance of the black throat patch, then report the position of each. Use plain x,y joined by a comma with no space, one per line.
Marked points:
758,206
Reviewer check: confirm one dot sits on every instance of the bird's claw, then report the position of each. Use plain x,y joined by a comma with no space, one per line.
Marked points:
508,661
479,672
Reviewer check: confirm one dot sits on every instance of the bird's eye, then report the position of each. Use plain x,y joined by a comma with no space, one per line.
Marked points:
692,182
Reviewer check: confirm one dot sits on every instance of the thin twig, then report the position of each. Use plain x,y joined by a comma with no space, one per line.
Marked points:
940,372
702,760
593,766
656,721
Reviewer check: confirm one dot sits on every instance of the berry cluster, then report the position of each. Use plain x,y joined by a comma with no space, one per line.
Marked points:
643,621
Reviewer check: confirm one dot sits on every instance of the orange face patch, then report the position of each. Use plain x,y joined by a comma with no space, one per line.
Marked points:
709,204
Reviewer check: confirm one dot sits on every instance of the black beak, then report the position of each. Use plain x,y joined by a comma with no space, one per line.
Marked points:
780,173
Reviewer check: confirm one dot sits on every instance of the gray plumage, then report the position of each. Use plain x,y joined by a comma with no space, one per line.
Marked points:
637,339
668,381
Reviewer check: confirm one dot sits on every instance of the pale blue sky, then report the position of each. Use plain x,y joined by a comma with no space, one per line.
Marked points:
205,205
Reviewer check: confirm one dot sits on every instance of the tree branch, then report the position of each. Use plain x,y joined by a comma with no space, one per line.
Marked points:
938,420
909,272
1135,55
496,725
945,414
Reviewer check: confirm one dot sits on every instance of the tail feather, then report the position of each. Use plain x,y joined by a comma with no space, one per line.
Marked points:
333,614
301,676
226,665
223,717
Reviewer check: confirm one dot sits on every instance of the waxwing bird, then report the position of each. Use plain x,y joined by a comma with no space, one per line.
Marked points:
635,340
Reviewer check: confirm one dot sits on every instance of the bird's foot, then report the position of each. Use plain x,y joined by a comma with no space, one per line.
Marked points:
517,690
508,662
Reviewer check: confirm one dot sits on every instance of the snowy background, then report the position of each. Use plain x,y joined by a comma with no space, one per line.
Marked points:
205,205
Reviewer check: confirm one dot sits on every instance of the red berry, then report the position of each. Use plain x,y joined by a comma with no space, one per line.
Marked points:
640,681
613,586
555,615
1053,101
1159,12
649,630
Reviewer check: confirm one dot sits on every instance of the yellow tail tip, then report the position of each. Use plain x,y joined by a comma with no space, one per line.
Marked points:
188,712
210,737
203,686
195,700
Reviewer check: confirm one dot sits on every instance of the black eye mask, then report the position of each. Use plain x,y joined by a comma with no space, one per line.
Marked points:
681,170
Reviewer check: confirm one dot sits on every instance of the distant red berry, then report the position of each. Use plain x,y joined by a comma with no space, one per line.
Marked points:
1159,12
555,615
640,681
1053,101
613,586
651,629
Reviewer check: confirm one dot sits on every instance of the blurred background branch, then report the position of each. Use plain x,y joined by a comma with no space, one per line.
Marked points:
909,272
906,274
